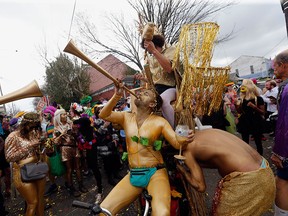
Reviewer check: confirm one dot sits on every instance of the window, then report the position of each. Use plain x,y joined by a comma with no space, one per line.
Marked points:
251,69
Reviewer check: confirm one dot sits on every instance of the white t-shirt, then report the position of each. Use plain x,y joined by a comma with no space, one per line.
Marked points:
270,93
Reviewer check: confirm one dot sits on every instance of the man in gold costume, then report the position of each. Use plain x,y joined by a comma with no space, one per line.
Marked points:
143,131
247,186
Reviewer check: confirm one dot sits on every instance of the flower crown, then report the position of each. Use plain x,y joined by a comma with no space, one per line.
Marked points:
77,107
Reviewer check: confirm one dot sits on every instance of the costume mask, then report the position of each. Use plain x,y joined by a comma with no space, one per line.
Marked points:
243,89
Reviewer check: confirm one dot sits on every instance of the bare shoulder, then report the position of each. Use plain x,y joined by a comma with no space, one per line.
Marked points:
160,119
216,136
220,143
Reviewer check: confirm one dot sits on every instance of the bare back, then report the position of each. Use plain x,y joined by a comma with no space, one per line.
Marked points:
213,148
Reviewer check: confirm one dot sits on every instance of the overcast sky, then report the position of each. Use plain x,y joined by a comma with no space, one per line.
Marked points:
259,27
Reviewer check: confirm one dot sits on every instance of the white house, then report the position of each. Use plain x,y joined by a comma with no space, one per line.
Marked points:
2,109
250,67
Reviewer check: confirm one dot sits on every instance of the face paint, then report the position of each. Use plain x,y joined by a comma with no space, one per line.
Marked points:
243,89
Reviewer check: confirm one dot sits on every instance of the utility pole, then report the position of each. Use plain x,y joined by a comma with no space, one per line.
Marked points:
4,107
284,5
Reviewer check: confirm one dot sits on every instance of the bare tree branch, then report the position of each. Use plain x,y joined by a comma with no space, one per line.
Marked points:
168,15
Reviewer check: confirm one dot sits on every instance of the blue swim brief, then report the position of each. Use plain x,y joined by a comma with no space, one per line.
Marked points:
140,177
263,164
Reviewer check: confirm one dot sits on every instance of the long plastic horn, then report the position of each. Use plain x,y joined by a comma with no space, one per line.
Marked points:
31,90
72,49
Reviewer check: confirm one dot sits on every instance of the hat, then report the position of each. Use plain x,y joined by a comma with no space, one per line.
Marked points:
13,121
85,100
77,107
19,114
229,84
98,105
31,117
50,109
59,112
254,80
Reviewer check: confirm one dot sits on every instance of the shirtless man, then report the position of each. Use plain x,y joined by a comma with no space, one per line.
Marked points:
247,186
143,131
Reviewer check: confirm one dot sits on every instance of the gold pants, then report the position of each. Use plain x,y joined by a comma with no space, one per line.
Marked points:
32,192
123,194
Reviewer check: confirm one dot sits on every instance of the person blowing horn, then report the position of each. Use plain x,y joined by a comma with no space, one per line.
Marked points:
143,131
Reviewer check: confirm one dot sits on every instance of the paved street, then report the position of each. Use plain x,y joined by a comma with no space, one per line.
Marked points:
61,202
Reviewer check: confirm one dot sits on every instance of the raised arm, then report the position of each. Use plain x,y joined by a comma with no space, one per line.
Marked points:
173,139
107,112
162,59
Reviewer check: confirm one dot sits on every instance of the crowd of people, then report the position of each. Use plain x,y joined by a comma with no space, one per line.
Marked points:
118,131
254,111
77,136
247,110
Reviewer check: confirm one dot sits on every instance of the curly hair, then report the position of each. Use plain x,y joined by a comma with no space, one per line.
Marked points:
30,121
158,100
158,41
85,128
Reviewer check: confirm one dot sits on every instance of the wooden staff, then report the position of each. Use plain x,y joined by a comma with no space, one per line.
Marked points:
147,35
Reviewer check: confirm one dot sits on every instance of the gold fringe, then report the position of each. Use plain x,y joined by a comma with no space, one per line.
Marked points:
201,88
196,44
202,85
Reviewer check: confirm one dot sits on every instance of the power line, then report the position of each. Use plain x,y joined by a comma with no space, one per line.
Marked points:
275,46
252,63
